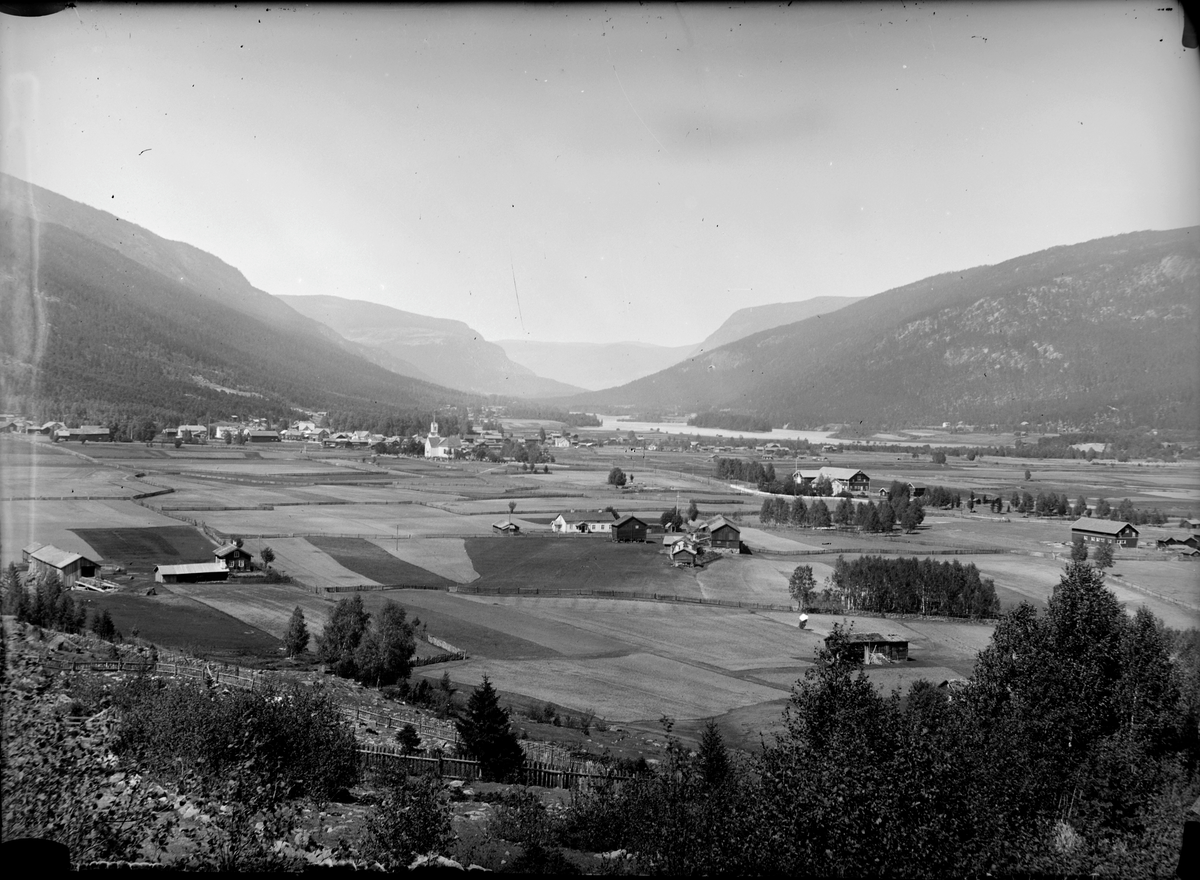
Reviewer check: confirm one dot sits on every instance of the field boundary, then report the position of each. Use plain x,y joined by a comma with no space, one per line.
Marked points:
533,772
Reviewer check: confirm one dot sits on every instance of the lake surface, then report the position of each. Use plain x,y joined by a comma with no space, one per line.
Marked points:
613,425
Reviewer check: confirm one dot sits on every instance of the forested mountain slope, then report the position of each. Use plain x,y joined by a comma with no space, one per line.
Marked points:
100,329
1100,332
754,319
447,351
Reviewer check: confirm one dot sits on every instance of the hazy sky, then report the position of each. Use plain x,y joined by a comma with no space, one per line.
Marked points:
642,171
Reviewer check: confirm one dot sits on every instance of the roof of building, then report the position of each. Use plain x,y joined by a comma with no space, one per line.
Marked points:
840,473
673,538
1101,526
226,549
192,568
32,548
506,526
684,547
871,638
620,521
93,429
56,557
718,521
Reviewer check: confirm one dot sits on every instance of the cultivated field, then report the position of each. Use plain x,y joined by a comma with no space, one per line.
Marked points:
529,616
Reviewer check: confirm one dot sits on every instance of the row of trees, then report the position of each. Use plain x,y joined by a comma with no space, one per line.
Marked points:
893,585
866,515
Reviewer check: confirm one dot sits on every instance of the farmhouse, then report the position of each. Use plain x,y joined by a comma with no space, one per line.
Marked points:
875,648
840,479
233,557
190,572
724,535
198,432
629,528
46,560
1104,530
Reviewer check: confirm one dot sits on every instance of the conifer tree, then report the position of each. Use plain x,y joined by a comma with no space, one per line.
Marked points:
487,736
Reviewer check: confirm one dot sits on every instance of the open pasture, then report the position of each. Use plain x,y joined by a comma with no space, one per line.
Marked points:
375,563
55,522
570,562
307,564
744,579
142,549
361,519
489,627
267,607
446,557
725,638
176,621
630,688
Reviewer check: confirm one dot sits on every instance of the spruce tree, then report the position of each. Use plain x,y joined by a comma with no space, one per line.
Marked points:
714,757
487,737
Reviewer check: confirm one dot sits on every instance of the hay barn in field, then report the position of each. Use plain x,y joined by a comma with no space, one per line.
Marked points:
190,572
724,535
873,647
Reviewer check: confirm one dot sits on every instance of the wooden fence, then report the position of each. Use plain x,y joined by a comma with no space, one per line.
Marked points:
532,773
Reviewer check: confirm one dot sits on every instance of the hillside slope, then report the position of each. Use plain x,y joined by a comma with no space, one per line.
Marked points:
754,319
1100,332
446,351
105,322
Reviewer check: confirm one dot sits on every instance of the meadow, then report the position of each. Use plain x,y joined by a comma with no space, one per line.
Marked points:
564,619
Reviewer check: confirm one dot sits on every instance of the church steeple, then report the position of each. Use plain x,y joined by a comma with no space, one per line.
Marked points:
433,429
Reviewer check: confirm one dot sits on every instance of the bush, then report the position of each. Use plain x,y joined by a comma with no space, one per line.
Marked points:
413,819
293,740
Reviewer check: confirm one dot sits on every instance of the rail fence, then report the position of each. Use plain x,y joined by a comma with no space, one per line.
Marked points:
636,596
532,773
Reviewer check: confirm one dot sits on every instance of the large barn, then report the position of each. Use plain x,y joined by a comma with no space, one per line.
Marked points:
46,560
1104,531
873,647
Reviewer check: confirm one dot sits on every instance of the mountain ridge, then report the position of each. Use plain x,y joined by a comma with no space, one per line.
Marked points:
918,353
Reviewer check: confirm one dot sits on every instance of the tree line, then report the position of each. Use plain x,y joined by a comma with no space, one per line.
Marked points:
893,585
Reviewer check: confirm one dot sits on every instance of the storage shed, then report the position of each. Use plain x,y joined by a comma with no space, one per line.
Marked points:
629,528
872,647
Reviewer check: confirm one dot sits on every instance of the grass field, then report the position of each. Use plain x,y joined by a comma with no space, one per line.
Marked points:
373,562
631,661
179,622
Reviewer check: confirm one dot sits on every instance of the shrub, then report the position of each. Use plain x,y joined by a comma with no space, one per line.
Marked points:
412,819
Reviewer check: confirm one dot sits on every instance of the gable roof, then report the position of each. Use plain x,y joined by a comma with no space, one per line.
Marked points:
718,521
193,568
1101,526
56,557
226,549
620,521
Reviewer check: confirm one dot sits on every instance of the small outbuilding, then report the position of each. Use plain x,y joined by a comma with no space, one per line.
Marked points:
262,437
190,573
233,557
506,528
629,528
1106,531
873,648
685,553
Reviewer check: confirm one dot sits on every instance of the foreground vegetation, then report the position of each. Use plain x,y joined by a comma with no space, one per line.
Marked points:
1072,749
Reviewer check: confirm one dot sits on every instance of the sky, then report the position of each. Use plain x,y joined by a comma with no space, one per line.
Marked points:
589,173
